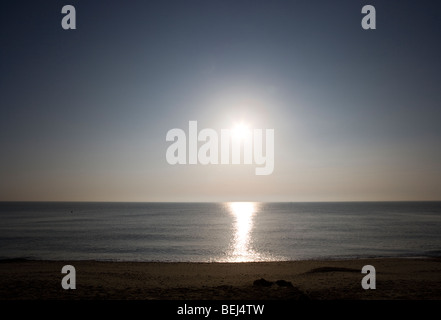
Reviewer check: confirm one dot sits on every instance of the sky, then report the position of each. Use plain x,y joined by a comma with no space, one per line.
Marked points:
84,113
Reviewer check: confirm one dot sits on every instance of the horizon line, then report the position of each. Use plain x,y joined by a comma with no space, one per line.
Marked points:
225,201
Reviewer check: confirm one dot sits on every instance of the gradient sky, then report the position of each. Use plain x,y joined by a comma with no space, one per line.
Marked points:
85,112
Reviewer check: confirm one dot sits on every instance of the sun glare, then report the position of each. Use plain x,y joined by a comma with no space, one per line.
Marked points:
240,131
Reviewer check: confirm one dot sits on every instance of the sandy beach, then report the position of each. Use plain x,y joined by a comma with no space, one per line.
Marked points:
396,279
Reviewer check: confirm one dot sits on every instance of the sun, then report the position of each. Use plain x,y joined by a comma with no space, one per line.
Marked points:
240,131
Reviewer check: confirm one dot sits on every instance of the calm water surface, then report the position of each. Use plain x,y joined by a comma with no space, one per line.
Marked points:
240,231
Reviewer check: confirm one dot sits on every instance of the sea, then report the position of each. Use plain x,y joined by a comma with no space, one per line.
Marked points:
218,232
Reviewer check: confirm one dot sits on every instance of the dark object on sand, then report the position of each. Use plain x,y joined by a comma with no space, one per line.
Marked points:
262,283
284,283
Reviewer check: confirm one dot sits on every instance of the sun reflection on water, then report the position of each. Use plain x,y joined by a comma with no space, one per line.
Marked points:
241,249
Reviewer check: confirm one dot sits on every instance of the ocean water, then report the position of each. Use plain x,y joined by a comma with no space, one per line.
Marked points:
223,232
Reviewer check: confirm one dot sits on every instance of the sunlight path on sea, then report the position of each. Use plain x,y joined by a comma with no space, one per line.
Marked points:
243,213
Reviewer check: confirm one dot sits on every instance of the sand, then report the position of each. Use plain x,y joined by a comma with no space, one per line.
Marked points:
415,279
